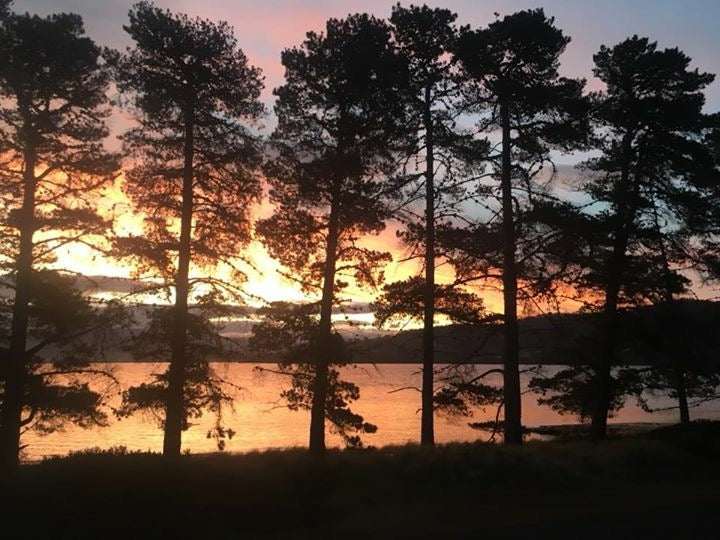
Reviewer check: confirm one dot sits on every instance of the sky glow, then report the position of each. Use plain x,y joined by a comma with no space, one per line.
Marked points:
264,28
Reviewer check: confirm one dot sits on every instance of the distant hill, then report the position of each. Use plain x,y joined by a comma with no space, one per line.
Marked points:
562,339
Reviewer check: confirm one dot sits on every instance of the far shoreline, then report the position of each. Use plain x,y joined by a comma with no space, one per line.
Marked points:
494,362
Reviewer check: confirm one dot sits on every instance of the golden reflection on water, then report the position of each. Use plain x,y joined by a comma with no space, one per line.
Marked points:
261,422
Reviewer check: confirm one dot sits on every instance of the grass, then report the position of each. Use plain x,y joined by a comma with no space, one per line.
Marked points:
664,484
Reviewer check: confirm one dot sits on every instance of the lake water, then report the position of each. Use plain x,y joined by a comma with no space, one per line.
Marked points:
261,422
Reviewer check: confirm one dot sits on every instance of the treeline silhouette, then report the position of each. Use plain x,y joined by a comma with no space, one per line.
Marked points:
448,130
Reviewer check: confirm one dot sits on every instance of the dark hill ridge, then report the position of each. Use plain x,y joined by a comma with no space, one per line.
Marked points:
560,339
564,339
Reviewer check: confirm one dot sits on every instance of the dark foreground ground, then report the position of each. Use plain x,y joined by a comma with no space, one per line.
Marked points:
663,484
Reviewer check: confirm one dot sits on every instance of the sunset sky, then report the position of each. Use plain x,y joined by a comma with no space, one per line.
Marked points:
265,28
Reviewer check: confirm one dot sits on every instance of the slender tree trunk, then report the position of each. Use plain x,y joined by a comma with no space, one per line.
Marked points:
668,317
603,375
16,370
681,389
324,354
427,431
175,407
511,367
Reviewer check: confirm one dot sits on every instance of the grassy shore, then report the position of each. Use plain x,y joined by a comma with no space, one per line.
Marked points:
662,484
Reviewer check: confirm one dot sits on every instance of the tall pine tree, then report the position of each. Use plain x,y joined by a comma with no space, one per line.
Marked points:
338,121
436,167
53,108
650,181
521,99
193,169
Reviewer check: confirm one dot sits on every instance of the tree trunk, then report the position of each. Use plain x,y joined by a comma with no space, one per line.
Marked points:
16,370
681,389
175,406
324,353
669,316
427,431
511,356
603,376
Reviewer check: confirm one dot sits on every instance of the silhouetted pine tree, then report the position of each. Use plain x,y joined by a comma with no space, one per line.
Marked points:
650,182
194,166
338,120
53,108
519,95
681,340
436,163
694,377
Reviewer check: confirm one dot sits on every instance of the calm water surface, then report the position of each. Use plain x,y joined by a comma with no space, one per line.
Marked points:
261,422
